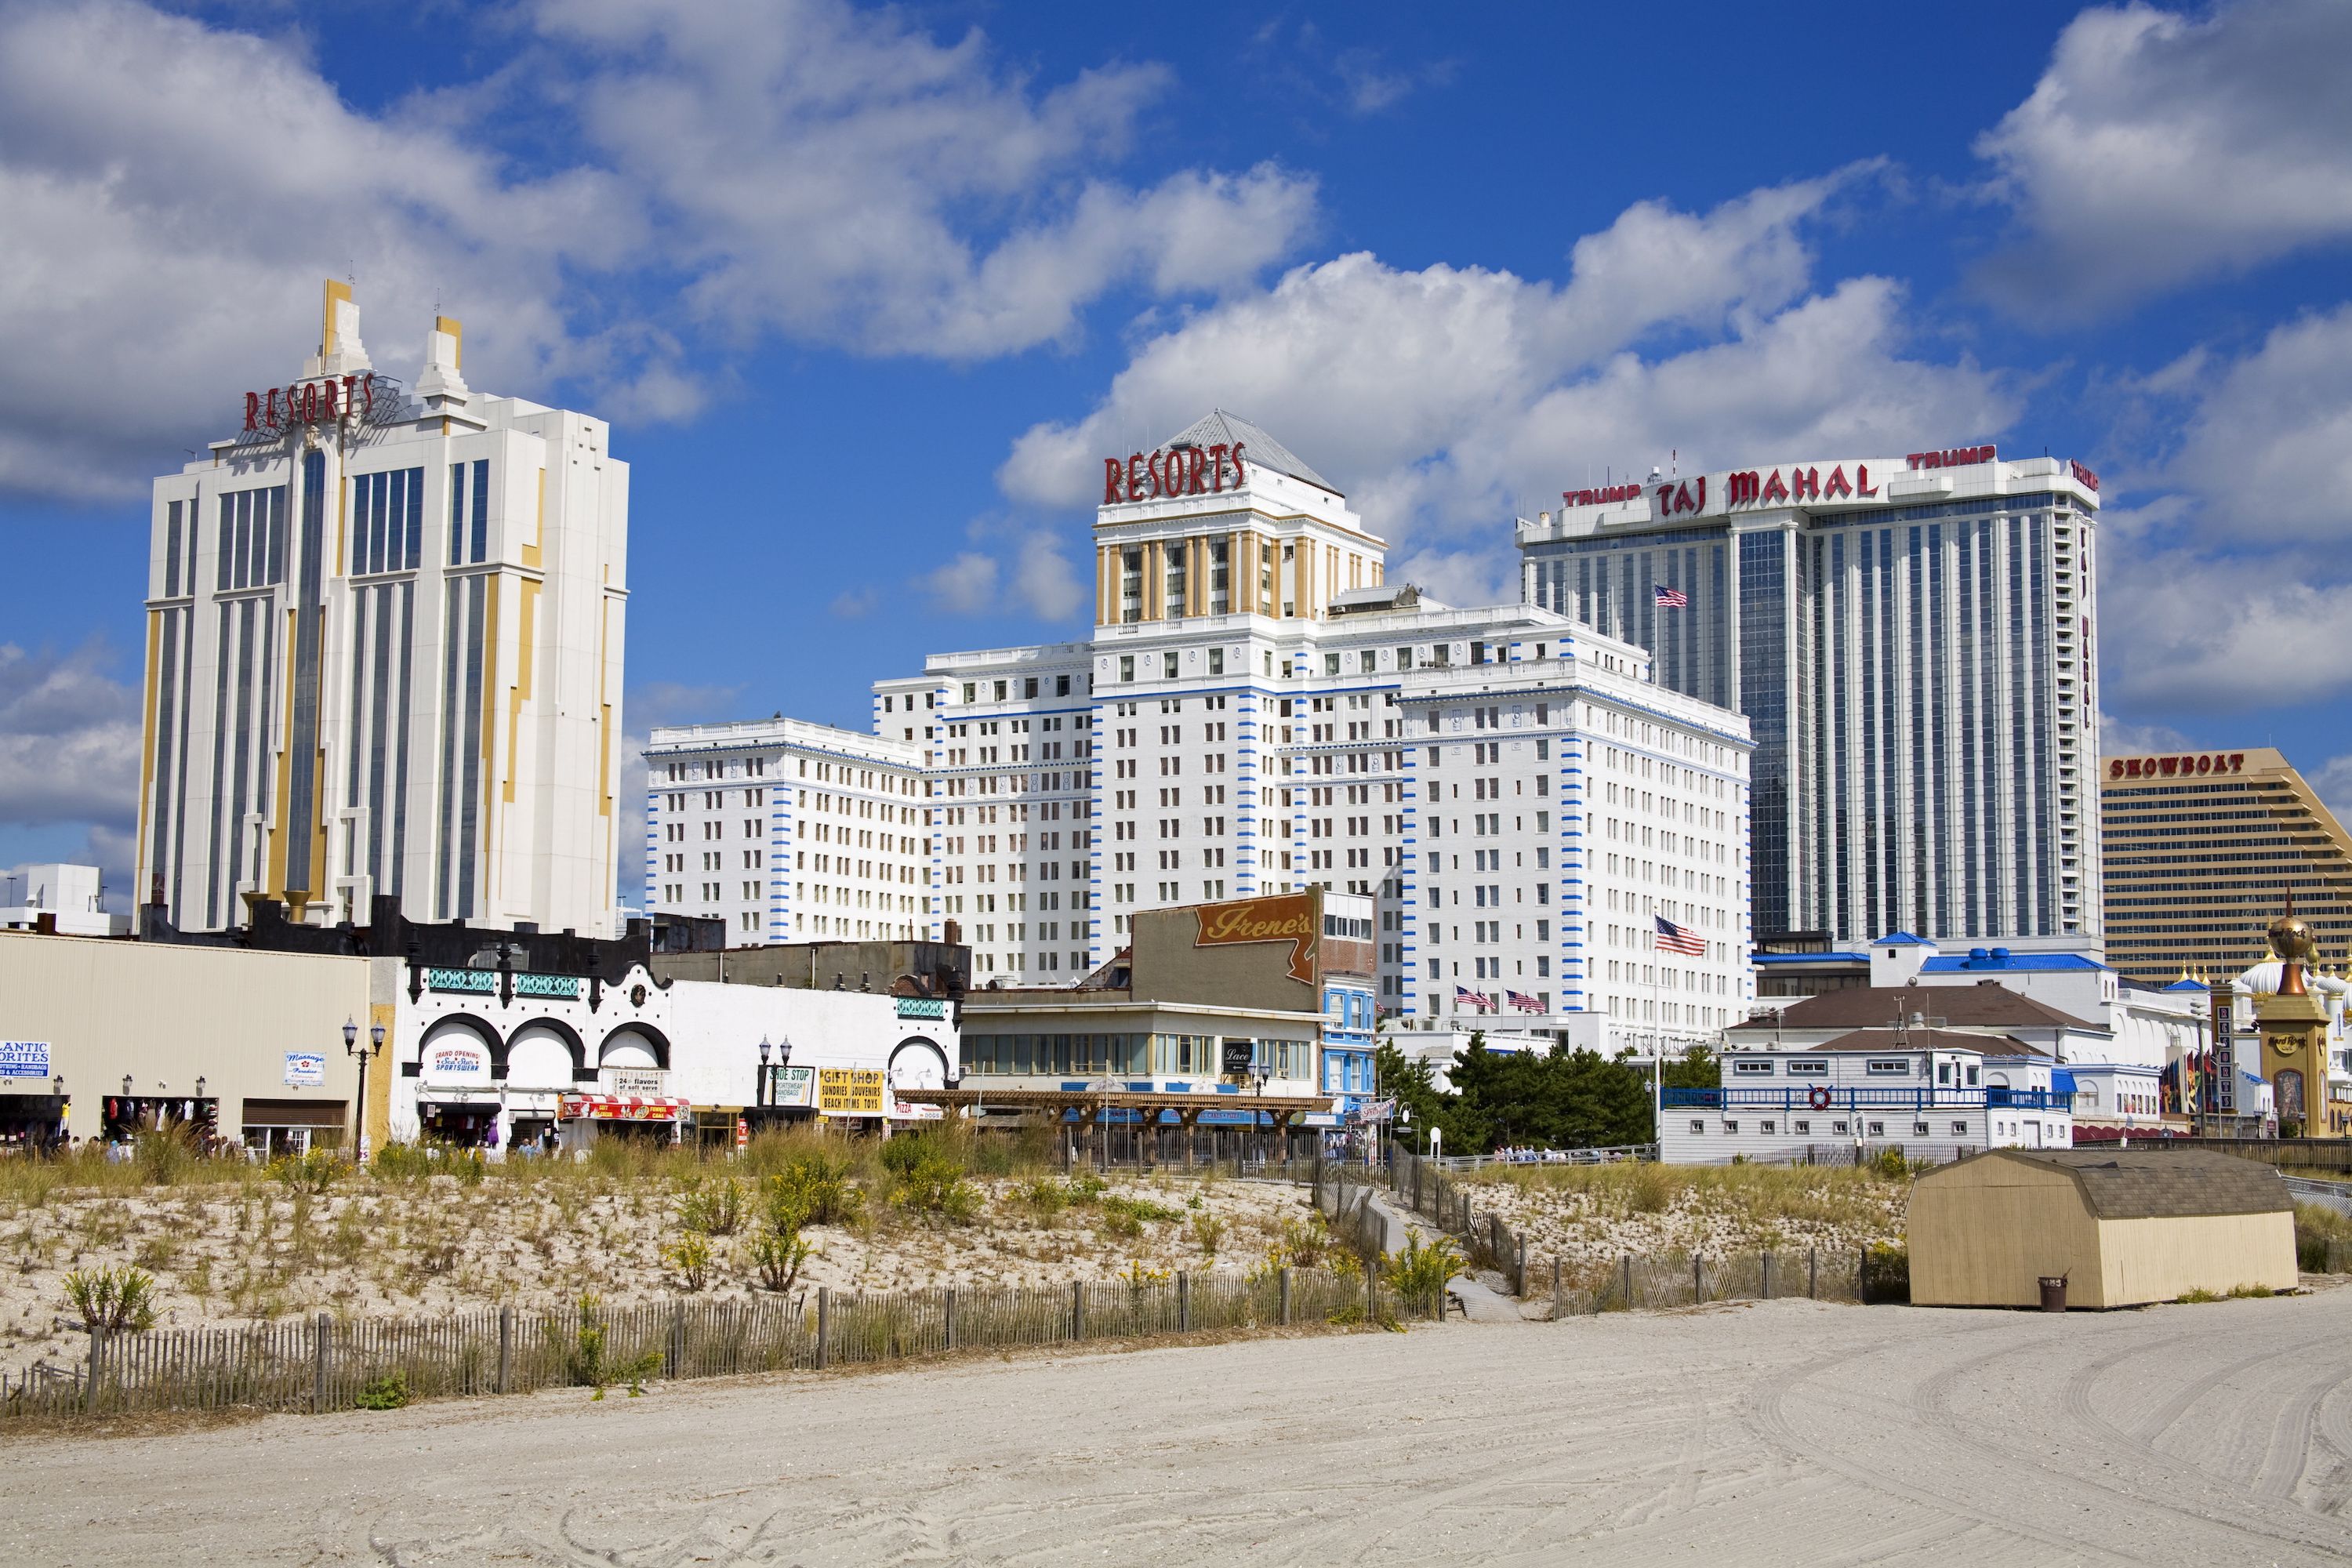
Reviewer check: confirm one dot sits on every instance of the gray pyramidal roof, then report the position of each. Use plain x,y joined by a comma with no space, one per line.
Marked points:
1219,428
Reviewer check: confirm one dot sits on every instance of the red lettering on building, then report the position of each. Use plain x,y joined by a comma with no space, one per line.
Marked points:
2176,767
1950,458
1177,472
1837,485
1804,484
1608,495
2086,477
309,402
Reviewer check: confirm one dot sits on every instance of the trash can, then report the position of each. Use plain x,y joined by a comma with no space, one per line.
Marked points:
2054,1292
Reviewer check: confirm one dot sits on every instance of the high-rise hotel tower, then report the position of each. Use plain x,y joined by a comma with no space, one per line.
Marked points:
384,654
1915,639
1256,710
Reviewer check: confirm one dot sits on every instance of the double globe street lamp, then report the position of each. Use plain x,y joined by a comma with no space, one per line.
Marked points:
351,1048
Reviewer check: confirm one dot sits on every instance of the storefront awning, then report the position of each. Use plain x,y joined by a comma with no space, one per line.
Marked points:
622,1108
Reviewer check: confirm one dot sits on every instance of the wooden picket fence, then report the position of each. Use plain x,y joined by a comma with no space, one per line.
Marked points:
1628,1283
322,1364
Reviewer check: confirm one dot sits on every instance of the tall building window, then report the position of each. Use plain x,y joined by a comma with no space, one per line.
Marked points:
469,513
387,522
251,551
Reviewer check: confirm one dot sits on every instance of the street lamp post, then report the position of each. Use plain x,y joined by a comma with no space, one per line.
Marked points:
351,1048
765,1048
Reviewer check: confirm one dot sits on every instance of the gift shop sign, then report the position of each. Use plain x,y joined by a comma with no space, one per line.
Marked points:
23,1059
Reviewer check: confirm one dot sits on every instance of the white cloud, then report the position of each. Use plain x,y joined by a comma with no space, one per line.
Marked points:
2268,451
2231,586
1044,582
852,602
2332,780
846,179
966,585
176,192
70,738
1443,398
2157,149
2117,737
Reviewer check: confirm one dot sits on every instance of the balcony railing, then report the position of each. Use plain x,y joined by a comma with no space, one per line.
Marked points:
1874,1097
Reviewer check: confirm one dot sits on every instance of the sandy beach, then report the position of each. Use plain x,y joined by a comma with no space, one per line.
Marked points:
1786,1432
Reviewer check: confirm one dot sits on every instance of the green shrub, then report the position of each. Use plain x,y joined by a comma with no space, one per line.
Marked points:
312,1170
1421,1272
778,1255
166,1155
389,1392
589,1364
1048,1196
715,1210
1208,1233
1142,1210
2323,1238
689,1256
933,1186
820,1184
1890,1163
1305,1242
112,1301
1886,1274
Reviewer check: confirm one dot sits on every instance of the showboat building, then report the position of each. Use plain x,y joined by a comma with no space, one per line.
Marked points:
1547,833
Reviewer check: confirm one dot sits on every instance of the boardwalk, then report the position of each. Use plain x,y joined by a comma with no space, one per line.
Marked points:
1781,1432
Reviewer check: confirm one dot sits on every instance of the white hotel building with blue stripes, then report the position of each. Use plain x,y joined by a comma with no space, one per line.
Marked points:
1256,710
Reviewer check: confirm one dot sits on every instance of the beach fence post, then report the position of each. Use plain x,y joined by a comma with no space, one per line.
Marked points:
677,1357
1285,1298
1813,1273
97,1369
1183,1300
948,1317
1077,1311
824,1322
319,1363
1559,1301
506,1348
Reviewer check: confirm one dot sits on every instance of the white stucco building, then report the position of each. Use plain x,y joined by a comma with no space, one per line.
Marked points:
384,631
1256,710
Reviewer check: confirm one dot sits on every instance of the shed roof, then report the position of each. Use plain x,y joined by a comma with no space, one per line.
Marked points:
2159,1184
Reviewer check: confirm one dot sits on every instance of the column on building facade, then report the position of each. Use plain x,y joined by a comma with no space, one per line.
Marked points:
1235,597
1105,584
1155,583
1196,575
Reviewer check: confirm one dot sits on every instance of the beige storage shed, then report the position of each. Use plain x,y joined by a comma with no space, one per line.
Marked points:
2127,1226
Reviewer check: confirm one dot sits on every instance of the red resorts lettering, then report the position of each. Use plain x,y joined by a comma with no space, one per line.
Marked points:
310,403
1950,458
1178,472
1755,489
2176,767
1602,497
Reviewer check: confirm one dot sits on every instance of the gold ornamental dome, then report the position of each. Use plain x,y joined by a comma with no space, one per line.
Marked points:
2291,940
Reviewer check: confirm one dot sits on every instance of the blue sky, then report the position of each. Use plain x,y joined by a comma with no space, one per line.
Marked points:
866,292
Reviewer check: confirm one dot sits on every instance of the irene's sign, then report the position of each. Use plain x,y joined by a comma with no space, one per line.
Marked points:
1287,917
1178,472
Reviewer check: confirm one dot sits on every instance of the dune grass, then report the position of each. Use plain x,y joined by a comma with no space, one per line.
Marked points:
1759,1195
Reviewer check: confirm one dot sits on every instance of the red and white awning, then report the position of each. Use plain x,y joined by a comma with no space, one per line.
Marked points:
622,1108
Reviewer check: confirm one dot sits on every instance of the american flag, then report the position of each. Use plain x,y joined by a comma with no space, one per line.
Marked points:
1669,598
1463,995
1672,938
1523,1002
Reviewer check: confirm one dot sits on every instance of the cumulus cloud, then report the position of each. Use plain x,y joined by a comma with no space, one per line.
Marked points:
69,737
966,585
2231,586
176,192
2157,149
842,177
2117,737
1441,398
2332,780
